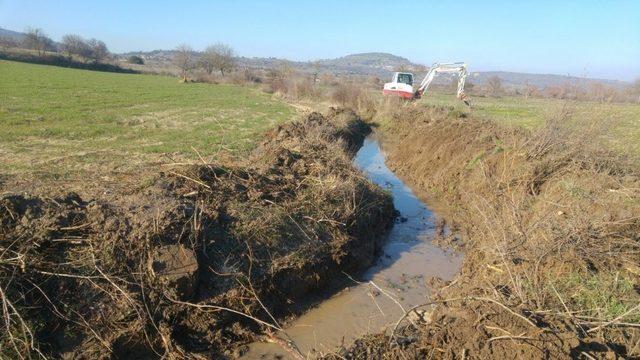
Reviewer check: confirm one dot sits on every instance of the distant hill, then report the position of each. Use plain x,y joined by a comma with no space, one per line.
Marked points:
18,36
514,79
372,60
374,64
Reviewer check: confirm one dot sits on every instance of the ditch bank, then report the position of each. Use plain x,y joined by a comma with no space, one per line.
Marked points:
203,260
549,225
397,281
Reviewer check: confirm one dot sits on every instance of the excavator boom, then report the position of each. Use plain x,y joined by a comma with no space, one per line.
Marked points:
446,68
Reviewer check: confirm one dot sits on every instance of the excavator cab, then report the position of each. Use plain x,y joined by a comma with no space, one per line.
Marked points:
401,85
404,78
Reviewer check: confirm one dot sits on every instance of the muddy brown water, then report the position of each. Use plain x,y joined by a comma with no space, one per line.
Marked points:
408,259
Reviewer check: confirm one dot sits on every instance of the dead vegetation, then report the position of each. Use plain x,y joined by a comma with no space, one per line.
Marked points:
549,222
201,261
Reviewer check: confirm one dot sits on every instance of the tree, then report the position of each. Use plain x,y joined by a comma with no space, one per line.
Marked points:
206,61
135,59
183,59
602,93
494,84
37,40
98,50
529,90
93,49
636,86
7,42
74,45
285,69
220,57
317,66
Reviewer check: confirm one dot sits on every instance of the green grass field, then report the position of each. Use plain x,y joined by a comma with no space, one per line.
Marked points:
622,120
68,123
63,122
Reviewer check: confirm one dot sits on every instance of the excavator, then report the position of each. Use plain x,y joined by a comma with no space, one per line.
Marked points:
402,83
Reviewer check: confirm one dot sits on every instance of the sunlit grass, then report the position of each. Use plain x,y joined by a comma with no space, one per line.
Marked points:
61,122
622,119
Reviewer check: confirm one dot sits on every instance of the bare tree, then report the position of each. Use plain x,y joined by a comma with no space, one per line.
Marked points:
220,57
601,93
317,66
93,49
183,59
206,61
636,87
554,92
529,90
98,49
285,68
74,45
494,84
37,40
7,42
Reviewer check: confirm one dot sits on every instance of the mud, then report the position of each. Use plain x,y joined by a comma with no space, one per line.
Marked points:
407,263
197,263
546,220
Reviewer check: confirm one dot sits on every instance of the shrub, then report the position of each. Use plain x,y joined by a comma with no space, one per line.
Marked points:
134,59
346,94
301,88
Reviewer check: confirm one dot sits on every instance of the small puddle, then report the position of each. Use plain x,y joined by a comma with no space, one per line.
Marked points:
408,259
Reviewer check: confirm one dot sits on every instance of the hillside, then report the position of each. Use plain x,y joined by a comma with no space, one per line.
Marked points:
373,59
18,36
514,79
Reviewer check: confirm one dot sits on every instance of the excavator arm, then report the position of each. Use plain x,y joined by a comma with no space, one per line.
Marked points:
446,68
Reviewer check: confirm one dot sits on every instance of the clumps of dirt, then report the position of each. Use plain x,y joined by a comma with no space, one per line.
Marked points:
196,264
549,227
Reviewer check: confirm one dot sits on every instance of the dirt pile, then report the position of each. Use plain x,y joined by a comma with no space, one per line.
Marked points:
194,265
548,221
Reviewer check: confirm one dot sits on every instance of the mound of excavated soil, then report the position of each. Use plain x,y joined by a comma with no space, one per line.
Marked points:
199,262
549,226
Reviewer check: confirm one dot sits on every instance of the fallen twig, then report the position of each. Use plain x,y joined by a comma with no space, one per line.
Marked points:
511,337
608,323
222,308
189,178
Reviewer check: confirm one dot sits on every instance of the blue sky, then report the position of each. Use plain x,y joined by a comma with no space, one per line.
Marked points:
583,38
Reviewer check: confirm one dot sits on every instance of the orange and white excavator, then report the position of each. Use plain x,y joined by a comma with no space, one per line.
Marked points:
402,82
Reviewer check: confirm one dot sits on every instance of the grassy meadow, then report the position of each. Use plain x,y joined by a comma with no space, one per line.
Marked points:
67,123
621,120
59,122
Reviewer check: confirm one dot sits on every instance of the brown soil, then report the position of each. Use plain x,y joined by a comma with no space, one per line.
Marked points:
549,225
177,267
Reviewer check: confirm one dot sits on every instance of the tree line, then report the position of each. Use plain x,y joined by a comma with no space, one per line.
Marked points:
73,45
219,57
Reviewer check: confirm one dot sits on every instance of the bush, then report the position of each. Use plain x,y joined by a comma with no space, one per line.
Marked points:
134,59
346,94
302,88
